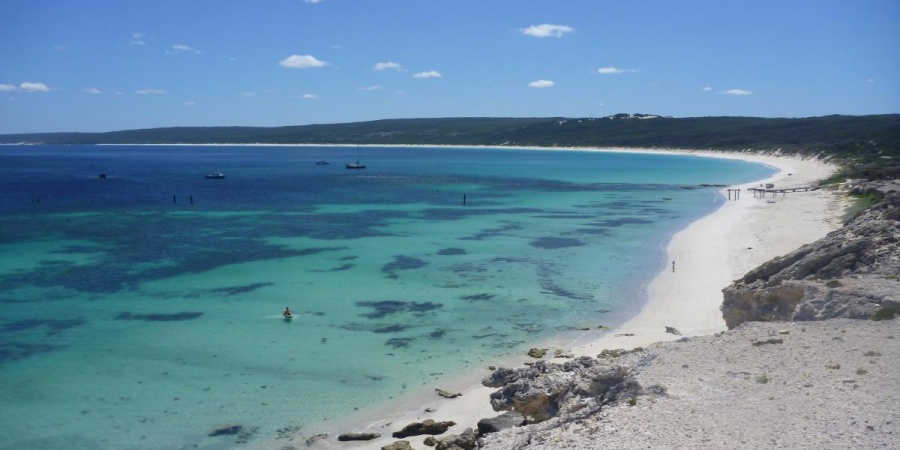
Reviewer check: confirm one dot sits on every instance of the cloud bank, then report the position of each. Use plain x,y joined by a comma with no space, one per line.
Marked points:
541,84
547,30
302,62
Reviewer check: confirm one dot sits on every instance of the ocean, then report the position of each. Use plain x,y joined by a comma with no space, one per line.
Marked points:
143,309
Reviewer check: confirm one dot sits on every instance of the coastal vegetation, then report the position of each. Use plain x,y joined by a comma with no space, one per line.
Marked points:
866,146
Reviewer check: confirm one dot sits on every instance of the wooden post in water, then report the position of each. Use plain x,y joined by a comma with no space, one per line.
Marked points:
173,199
464,199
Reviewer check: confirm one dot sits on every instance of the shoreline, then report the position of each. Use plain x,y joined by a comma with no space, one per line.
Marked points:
709,253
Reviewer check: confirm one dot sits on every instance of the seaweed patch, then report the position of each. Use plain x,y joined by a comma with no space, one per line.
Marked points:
375,328
451,251
187,315
14,351
398,342
553,242
402,262
387,307
54,326
477,297
235,290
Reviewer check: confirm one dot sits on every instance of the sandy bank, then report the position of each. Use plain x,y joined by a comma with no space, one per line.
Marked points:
709,254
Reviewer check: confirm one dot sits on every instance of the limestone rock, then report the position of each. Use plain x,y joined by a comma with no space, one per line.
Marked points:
510,419
537,352
358,436
447,394
427,426
464,441
547,390
854,272
398,445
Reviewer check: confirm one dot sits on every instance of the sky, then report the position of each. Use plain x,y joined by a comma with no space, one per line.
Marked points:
106,65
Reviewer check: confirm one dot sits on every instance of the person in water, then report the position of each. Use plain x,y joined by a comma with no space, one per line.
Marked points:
287,311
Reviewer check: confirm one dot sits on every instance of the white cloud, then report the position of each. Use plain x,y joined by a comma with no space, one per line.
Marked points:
313,1
541,84
7,87
870,80
137,39
428,74
547,30
310,96
181,48
150,91
737,92
615,71
92,90
189,103
387,65
373,87
706,89
33,87
301,62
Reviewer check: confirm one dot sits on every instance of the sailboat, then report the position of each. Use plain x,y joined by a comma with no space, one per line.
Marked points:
355,165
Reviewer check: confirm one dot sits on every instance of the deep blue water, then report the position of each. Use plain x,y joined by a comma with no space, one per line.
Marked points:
142,309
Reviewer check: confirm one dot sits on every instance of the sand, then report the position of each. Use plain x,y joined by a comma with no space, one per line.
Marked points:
709,254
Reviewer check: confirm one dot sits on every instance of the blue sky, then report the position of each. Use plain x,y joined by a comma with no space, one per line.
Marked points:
103,65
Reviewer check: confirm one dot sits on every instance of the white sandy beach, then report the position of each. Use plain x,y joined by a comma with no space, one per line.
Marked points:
709,254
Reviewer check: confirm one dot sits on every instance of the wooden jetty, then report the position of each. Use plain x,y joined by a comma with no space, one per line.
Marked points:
763,191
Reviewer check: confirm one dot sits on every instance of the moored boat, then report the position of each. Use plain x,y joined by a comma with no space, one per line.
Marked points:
214,176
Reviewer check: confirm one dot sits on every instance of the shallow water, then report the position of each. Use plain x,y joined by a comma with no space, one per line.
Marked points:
143,309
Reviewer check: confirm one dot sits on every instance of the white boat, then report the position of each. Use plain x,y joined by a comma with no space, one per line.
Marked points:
214,176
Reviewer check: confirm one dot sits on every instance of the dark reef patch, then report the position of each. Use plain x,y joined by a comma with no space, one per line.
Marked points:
591,231
619,222
14,351
398,342
54,326
451,251
375,328
186,315
402,262
553,242
235,290
491,232
340,268
477,297
437,334
548,287
387,307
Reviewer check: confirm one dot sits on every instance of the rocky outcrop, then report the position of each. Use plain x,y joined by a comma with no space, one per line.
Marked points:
854,272
546,390
358,436
507,420
427,426
398,445
464,441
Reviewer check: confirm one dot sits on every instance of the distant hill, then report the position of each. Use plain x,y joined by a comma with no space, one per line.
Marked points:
862,140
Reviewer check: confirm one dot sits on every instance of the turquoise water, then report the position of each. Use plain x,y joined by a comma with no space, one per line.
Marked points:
143,309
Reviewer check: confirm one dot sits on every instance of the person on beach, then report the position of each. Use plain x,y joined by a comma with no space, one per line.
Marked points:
287,311
673,266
